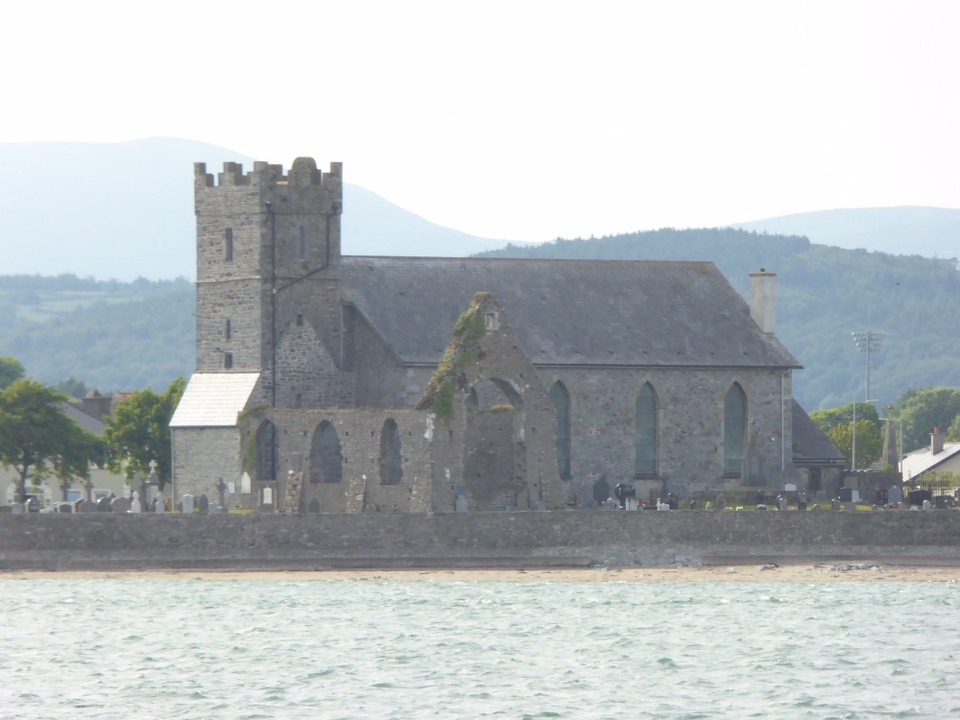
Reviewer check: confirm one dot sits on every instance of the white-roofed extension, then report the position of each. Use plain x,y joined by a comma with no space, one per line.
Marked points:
214,399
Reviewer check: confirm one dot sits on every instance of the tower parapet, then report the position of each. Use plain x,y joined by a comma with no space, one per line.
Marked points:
303,172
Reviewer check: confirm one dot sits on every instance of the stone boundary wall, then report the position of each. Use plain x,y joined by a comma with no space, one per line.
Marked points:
110,541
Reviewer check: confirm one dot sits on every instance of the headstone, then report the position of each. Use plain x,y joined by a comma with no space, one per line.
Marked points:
158,506
835,505
187,504
103,504
245,484
135,503
64,507
203,505
926,505
314,506
120,505
268,496
781,503
460,505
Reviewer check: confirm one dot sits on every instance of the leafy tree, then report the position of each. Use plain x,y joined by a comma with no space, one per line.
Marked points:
953,432
869,443
837,424
139,432
924,409
10,371
72,387
37,437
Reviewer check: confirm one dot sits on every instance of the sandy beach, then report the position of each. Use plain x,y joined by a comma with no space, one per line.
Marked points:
826,572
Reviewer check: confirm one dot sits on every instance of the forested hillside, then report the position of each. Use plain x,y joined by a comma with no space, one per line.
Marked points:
127,336
823,295
109,335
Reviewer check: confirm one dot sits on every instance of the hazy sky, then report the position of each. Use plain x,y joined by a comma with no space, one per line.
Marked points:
522,120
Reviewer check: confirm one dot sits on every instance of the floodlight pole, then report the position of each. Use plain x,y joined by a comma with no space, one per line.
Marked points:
868,341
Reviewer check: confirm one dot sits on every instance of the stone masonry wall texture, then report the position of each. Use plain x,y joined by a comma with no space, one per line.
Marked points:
501,539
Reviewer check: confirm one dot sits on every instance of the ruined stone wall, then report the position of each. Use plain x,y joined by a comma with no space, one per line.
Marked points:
522,539
359,433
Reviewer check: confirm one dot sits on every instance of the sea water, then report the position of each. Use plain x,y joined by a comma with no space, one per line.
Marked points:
189,648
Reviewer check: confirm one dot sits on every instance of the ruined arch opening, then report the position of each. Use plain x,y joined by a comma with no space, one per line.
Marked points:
494,461
326,455
268,455
391,459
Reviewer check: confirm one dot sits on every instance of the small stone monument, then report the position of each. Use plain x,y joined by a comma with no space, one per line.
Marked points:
158,506
203,505
120,505
187,504
895,495
135,503
222,488
460,505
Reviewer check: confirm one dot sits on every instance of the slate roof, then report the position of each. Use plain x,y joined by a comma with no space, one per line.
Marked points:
567,312
213,399
92,425
811,446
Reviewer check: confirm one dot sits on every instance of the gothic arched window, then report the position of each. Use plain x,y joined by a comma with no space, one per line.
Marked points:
561,403
734,431
646,432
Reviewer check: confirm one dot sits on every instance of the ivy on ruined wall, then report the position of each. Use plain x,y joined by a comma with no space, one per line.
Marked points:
460,354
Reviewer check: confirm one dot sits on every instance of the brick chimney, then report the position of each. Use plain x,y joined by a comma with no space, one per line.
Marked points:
936,441
763,292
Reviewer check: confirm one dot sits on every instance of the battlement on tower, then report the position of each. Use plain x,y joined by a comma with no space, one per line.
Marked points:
303,173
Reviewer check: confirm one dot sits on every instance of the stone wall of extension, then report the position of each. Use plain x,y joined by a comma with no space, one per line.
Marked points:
458,540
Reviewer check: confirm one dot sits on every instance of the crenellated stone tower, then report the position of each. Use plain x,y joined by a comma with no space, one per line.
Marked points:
268,266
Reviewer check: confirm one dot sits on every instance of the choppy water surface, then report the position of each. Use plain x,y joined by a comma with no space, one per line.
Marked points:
171,648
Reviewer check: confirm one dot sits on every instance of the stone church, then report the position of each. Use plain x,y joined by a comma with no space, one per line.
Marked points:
330,383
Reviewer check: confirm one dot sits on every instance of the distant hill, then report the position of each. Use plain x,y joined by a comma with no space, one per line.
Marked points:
125,210
930,232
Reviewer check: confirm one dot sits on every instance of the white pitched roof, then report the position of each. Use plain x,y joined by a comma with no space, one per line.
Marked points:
920,461
214,399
